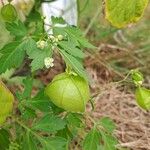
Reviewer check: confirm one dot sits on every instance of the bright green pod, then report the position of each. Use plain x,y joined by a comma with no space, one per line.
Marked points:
143,97
6,102
9,13
69,92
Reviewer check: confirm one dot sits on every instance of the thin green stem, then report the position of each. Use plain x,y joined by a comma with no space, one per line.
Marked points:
92,22
84,7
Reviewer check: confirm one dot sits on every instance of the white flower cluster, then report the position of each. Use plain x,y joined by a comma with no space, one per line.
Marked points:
56,39
48,61
41,44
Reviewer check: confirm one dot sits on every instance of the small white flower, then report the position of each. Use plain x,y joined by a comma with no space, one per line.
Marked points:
52,38
60,37
41,44
48,61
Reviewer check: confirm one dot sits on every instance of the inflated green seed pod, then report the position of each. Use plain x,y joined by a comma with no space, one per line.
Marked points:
9,13
69,92
6,102
143,97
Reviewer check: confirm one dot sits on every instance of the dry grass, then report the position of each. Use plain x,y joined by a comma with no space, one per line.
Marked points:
118,103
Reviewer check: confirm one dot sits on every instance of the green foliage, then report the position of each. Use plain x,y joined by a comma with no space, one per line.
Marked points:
92,139
4,139
108,124
101,136
56,143
49,123
17,29
29,142
37,55
12,55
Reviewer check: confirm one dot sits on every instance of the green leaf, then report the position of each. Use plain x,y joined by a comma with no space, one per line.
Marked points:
28,84
12,55
40,102
92,140
65,133
28,113
74,120
108,124
54,143
37,55
58,20
68,47
76,37
4,139
49,123
109,141
123,12
29,142
17,29
58,31
74,63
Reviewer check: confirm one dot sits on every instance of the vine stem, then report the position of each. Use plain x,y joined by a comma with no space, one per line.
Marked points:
92,21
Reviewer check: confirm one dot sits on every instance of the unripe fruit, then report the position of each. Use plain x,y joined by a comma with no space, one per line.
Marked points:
6,102
9,13
143,98
69,92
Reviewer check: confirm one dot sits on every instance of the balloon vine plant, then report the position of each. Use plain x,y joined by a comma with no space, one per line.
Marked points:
54,117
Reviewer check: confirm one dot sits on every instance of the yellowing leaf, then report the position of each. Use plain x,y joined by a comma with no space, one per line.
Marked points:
6,102
123,12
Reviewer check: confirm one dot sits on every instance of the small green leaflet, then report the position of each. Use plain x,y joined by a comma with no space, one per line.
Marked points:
109,141
49,123
29,142
54,143
76,38
28,113
28,83
123,12
37,55
17,29
40,102
92,140
74,63
74,120
68,47
12,55
58,20
108,124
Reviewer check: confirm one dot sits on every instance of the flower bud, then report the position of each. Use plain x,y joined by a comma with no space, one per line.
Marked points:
41,44
60,37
